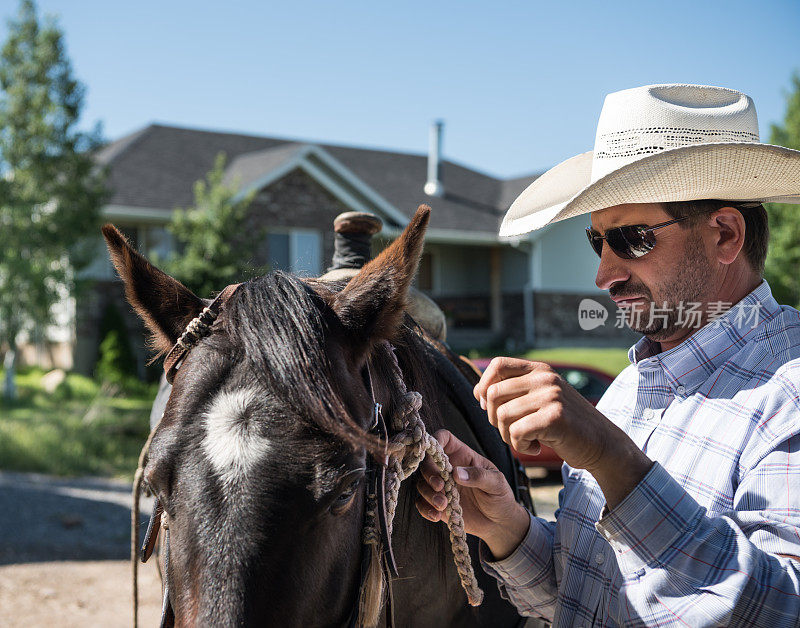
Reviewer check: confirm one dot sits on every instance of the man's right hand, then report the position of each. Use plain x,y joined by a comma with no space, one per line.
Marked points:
490,510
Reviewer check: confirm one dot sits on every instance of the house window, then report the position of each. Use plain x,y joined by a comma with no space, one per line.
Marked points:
306,252
278,251
297,251
100,268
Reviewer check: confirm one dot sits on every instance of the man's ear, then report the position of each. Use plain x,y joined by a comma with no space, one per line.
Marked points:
164,304
729,229
371,305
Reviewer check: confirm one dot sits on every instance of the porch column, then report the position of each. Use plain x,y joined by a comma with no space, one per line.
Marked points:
527,294
495,287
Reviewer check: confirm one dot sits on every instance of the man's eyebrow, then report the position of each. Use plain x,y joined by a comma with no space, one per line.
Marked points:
628,223
613,226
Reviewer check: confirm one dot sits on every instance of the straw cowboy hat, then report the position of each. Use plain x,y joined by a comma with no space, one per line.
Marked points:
662,143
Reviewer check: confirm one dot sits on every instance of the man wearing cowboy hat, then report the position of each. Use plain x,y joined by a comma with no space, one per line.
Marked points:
681,499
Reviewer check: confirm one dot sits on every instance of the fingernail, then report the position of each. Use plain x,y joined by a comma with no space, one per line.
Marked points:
438,484
461,473
433,514
440,502
483,403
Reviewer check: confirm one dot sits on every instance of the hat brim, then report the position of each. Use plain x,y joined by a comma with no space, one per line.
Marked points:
732,171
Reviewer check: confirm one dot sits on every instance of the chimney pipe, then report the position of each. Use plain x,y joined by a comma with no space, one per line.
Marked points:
433,186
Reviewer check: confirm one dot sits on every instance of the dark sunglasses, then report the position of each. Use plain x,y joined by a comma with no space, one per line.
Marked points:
630,241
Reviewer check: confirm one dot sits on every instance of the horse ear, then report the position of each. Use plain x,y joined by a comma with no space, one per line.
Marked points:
164,304
371,305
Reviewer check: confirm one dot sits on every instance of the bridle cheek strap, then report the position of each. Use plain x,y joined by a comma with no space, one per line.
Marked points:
199,327
151,534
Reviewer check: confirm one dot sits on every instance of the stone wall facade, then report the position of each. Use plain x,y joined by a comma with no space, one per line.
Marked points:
298,201
556,321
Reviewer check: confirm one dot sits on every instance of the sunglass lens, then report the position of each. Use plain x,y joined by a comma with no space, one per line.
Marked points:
627,242
638,241
618,243
596,241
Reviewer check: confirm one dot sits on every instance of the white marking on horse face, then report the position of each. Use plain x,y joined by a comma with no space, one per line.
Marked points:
232,444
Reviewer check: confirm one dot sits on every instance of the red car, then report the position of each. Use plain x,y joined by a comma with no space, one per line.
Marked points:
589,382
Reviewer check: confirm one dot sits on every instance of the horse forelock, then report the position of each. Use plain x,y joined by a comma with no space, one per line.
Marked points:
281,328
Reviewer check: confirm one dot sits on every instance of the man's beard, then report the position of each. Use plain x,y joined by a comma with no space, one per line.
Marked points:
686,287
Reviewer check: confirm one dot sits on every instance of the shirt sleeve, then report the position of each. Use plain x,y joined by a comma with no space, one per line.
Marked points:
527,577
682,567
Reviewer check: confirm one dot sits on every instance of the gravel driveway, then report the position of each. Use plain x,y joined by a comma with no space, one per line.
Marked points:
45,518
84,525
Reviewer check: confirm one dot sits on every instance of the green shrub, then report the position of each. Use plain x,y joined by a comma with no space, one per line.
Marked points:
81,387
117,363
111,368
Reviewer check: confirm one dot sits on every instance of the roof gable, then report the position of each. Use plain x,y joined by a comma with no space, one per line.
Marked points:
156,167
255,171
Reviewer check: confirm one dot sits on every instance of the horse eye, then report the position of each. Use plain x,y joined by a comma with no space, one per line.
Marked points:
344,498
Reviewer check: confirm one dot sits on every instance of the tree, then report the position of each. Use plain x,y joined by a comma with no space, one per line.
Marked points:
783,261
216,238
50,189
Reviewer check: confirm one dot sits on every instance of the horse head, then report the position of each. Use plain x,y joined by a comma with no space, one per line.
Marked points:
259,458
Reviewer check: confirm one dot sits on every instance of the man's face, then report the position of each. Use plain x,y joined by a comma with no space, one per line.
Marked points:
657,290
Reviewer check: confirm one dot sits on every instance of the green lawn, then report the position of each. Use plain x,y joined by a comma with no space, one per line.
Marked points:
608,360
611,361
81,429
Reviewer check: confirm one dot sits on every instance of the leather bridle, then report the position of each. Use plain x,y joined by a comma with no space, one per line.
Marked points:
375,476
197,328
376,492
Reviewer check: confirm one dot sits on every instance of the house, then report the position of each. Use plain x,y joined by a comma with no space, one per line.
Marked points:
495,292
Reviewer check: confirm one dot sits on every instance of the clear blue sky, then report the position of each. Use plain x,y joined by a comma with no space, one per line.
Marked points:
519,84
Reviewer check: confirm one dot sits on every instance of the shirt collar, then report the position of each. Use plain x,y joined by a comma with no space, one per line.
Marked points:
692,362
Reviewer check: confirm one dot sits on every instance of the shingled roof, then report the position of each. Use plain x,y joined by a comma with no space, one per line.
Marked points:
157,166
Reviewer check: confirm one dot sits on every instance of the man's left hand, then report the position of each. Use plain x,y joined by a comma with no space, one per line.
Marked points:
529,403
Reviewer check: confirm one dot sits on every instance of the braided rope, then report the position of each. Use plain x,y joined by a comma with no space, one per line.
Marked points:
198,328
371,534
407,449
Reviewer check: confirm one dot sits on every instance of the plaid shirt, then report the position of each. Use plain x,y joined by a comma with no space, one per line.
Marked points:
698,541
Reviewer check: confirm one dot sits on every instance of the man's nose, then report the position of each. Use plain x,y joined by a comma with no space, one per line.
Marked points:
612,269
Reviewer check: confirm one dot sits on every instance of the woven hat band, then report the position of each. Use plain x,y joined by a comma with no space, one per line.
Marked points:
638,122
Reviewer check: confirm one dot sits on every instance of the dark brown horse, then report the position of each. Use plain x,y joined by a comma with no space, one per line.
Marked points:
259,458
